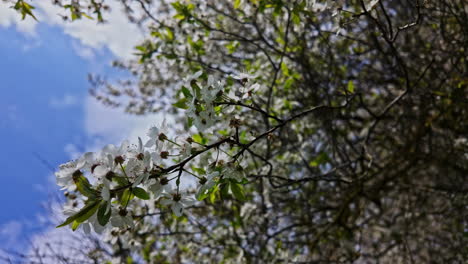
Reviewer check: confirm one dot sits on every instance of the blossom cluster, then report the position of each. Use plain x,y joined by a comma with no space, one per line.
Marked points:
107,182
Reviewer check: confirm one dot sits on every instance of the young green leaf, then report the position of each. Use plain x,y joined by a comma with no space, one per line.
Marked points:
187,92
75,225
102,216
350,87
238,191
182,103
85,213
237,4
127,195
140,193
83,185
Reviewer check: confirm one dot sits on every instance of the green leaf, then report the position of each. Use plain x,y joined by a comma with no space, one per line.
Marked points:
182,103
127,196
243,137
200,139
238,191
85,213
169,35
140,193
224,190
350,87
85,15
102,217
237,3
285,69
25,9
204,192
189,122
88,213
83,185
320,159
200,171
75,225
186,92
213,193
121,181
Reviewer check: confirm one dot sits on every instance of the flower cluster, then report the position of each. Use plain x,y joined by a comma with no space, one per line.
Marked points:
107,182
201,107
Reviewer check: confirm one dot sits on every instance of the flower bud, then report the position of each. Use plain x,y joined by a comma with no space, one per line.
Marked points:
176,197
164,181
119,160
235,122
76,174
123,212
110,175
203,180
162,137
140,156
164,154
155,173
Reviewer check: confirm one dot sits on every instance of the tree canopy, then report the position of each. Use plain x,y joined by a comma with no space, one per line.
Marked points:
298,131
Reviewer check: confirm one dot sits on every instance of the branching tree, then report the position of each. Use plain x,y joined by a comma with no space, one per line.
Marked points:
312,132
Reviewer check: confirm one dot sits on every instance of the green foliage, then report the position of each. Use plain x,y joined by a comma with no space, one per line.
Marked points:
24,9
140,193
86,212
104,213
83,186
237,190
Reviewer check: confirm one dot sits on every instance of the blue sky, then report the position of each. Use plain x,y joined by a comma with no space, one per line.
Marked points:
46,114
37,119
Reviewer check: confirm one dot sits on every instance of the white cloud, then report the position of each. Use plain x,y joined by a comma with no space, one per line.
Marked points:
9,17
11,232
117,34
63,102
83,51
114,125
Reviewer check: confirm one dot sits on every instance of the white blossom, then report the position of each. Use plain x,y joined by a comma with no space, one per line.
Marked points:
177,202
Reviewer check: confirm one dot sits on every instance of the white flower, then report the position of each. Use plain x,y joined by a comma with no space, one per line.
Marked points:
158,189
250,90
156,136
108,161
94,223
131,243
121,218
205,119
211,91
138,169
105,192
186,150
105,165
65,174
211,180
243,77
233,172
188,80
177,202
114,151
86,161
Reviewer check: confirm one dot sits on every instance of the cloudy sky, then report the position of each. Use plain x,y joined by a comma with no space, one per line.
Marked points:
46,115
